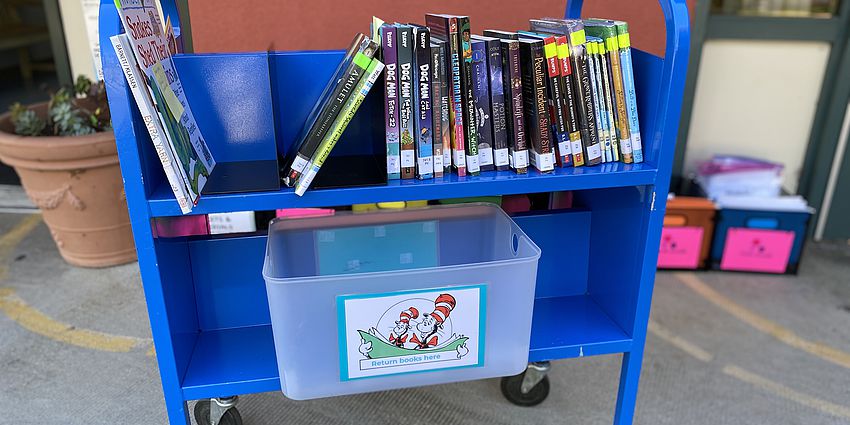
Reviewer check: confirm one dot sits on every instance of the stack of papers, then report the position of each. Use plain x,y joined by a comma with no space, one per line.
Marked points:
725,175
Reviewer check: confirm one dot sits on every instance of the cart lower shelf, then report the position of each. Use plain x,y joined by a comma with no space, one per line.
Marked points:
242,360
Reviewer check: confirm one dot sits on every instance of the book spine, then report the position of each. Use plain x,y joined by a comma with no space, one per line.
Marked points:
587,118
629,89
557,116
390,54
536,106
616,76
566,72
446,28
483,112
335,103
405,113
608,92
472,163
151,120
595,83
445,109
512,82
497,105
424,124
338,127
359,43
436,109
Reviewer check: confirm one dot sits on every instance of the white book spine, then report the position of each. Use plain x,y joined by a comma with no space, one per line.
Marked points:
151,119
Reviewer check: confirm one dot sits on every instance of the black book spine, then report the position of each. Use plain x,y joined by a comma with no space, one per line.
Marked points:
424,124
535,104
340,95
497,104
472,163
568,89
556,103
514,104
406,114
389,40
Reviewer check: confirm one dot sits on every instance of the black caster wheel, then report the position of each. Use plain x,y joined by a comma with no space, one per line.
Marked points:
202,414
512,390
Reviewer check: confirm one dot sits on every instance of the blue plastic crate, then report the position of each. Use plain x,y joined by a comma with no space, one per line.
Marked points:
796,222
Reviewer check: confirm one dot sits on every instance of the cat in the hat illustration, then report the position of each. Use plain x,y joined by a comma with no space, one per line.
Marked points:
399,334
427,332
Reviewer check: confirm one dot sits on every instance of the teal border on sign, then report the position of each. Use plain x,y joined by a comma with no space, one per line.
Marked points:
343,331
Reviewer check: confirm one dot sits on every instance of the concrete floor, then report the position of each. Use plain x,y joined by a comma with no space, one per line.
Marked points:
723,348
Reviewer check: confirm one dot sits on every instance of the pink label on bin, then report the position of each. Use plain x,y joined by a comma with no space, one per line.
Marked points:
680,247
757,250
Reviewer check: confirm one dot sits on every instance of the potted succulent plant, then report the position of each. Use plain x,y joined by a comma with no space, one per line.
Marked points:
64,152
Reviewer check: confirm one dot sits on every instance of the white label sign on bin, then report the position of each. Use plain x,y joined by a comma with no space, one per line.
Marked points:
411,331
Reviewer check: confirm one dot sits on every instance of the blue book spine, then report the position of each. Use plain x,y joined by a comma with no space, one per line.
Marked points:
388,47
631,103
481,102
424,125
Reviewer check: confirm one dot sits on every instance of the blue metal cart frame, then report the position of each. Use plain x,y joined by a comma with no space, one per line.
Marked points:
206,297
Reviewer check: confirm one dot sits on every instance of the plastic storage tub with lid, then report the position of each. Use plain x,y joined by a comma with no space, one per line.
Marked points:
396,299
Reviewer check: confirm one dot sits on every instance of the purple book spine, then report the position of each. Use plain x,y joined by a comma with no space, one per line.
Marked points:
482,113
388,46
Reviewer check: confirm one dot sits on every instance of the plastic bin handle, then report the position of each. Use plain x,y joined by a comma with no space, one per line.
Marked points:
769,223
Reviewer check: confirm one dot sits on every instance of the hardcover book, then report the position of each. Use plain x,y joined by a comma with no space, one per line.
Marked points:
607,30
482,109
445,28
514,104
629,88
472,163
437,82
607,90
567,87
406,114
445,104
598,101
574,30
536,108
424,123
373,71
497,103
557,115
389,39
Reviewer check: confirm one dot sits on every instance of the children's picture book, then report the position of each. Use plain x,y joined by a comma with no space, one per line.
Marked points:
150,116
144,30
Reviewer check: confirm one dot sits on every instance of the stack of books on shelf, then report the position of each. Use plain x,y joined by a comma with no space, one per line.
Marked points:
560,94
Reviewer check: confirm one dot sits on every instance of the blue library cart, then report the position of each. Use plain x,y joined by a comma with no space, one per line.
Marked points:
206,296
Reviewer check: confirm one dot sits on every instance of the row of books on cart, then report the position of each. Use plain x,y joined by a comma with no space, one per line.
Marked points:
560,94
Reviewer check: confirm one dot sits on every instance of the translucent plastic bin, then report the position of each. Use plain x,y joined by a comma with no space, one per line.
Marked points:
396,299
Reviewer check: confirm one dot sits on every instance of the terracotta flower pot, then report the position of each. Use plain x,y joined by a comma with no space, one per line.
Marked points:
76,183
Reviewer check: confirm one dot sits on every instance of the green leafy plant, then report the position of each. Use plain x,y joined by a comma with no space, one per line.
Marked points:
72,111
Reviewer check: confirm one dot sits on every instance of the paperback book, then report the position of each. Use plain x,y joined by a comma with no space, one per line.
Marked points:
483,113
144,31
389,38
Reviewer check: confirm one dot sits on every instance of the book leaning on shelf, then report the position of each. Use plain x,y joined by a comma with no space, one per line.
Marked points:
373,71
183,152
333,99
